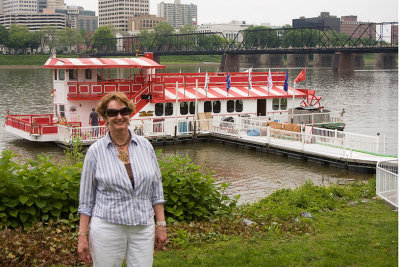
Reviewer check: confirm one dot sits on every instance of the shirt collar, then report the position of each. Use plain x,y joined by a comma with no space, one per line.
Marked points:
133,138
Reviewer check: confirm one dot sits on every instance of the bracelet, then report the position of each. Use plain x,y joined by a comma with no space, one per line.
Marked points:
161,223
85,233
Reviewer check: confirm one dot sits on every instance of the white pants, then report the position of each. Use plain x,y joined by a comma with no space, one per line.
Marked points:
110,243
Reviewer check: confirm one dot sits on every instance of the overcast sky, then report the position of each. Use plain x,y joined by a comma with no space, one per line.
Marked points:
276,12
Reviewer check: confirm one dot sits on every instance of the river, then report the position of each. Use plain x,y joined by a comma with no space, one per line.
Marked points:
369,97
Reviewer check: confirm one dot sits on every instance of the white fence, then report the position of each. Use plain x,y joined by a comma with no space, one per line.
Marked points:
387,173
300,137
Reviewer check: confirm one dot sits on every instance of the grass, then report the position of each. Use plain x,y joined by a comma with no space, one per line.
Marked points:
360,235
27,60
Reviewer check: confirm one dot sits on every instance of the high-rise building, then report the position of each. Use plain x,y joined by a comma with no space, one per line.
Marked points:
178,14
53,4
1,6
117,13
20,6
77,17
324,20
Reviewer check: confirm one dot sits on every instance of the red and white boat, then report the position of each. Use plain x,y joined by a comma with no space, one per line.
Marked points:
167,104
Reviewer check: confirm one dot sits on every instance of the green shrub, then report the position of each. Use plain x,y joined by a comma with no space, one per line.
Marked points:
38,190
191,194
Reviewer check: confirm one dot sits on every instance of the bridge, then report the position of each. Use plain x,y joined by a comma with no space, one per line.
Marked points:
330,47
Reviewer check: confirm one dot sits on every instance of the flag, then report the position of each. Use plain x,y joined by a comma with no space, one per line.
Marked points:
228,82
301,77
199,69
250,78
285,85
269,82
207,80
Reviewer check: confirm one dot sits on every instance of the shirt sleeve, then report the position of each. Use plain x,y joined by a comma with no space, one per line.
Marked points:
158,192
87,192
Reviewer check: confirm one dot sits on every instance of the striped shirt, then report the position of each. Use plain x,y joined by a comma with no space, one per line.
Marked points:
106,190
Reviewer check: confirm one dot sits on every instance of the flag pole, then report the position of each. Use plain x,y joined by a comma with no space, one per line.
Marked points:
294,92
176,110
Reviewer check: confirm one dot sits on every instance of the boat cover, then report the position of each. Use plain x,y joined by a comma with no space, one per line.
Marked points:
235,92
87,63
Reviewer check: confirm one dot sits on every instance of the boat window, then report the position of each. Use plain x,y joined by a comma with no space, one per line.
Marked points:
169,109
62,111
207,106
230,106
239,105
73,74
191,108
283,104
275,104
88,74
216,106
61,74
184,107
55,74
159,109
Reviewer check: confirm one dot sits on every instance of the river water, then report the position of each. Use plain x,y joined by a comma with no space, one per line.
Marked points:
369,97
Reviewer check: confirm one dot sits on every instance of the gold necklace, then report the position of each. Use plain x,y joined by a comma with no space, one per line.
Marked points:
122,154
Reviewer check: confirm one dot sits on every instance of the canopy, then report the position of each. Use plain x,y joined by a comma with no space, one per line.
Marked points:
88,63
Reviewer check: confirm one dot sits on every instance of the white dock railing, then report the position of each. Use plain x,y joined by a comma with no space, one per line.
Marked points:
322,140
387,173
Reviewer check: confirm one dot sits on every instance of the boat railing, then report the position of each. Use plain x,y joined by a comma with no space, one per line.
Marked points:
168,80
387,175
89,134
96,89
33,124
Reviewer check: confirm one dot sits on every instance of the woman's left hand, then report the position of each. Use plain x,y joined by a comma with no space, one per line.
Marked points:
160,237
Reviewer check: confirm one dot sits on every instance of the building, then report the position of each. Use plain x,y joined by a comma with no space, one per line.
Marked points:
356,29
143,22
19,6
229,30
77,17
178,14
34,22
117,13
324,20
394,34
1,6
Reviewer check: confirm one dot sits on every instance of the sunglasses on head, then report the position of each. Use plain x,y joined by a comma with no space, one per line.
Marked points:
110,112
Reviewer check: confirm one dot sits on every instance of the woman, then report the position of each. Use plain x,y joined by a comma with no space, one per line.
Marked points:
120,192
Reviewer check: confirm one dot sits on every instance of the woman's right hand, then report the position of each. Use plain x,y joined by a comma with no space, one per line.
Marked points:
83,249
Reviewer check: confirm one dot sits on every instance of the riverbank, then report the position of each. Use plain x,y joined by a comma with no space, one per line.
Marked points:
37,61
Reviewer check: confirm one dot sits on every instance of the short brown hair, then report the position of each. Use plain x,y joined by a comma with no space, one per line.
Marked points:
118,96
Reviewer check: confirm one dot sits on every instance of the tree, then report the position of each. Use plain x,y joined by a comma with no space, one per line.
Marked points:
69,37
50,39
18,37
261,37
104,39
187,28
34,40
163,28
3,35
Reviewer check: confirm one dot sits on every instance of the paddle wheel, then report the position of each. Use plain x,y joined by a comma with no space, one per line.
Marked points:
311,100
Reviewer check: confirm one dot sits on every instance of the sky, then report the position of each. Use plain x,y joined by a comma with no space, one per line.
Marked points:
276,12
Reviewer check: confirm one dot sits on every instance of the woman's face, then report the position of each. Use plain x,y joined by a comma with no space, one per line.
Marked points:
120,121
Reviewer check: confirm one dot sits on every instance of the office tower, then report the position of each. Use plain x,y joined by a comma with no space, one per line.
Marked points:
117,13
178,14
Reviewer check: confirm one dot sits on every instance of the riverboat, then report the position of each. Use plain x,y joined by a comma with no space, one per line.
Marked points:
167,104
